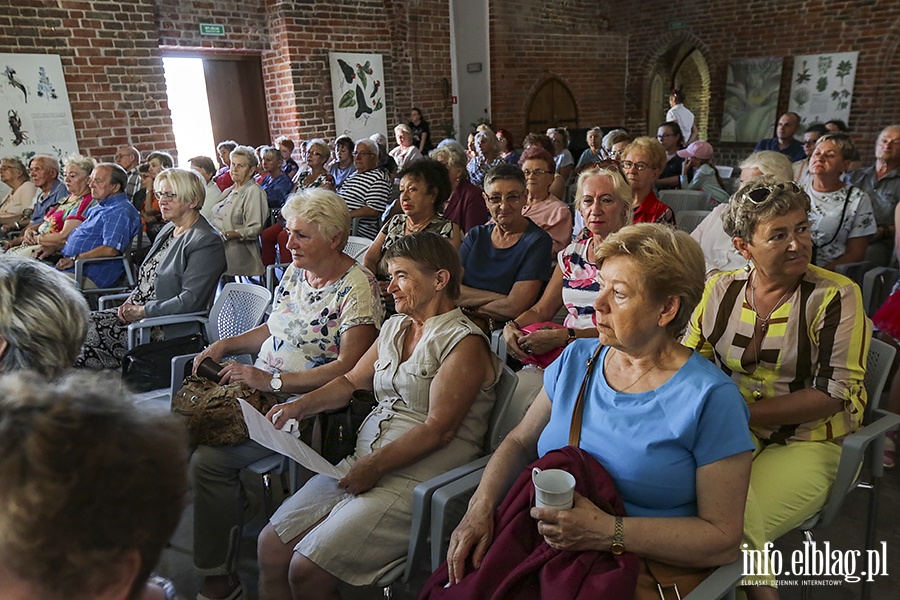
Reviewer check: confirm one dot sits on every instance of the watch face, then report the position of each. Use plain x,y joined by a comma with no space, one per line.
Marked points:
276,383
617,548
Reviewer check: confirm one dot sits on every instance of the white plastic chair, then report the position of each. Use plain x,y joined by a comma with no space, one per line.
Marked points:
687,220
681,200
357,247
724,172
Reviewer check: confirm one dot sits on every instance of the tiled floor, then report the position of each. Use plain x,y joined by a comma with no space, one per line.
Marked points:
846,534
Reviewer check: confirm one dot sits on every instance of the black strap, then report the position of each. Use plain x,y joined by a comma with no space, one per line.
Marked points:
843,213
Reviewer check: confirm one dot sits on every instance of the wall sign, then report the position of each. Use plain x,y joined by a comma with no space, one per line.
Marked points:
357,87
822,86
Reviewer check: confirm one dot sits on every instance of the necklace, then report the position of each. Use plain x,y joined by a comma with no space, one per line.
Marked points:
641,376
416,228
764,322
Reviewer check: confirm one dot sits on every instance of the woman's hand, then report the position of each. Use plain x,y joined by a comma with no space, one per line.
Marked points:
363,476
583,527
512,335
474,535
129,313
29,238
281,413
543,340
215,351
246,374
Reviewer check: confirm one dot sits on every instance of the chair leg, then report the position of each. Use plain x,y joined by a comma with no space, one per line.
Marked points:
388,592
267,493
871,529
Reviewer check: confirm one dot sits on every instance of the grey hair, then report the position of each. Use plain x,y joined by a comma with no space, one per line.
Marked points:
49,161
370,144
451,152
17,164
771,163
743,215
85,163
248,153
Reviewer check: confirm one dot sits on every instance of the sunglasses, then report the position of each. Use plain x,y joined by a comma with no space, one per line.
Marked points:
761,195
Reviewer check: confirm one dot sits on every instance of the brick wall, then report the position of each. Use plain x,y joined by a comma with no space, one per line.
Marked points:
730,29
111,60
572,40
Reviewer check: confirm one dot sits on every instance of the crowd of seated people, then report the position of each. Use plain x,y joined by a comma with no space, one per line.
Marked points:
470,244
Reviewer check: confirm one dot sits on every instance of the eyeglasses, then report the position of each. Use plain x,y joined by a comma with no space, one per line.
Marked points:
530,172
615,153
317,153
509,199
363,154
761,195
167,196
638,166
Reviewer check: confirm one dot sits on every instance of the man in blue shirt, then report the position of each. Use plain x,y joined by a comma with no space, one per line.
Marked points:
784,140
44,173
108,229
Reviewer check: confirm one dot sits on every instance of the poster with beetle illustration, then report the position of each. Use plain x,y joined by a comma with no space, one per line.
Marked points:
357,84
822,87
34,107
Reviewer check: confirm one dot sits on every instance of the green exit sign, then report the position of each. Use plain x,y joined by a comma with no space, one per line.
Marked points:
211,29
676,24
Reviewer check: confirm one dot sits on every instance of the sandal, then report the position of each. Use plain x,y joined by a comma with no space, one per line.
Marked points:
890,449
236,594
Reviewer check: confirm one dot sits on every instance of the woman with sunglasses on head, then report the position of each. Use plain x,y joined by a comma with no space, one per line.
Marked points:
794,338
643,161
178,276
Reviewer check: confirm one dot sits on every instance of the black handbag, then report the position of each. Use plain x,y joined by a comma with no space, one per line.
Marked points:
340,427
149,366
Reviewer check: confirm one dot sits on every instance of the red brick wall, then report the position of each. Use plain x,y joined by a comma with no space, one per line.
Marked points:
730,29
111,60
573,41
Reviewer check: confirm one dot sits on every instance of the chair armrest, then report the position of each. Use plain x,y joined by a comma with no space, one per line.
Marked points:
178,365
459,488
139,331
721,583
108,300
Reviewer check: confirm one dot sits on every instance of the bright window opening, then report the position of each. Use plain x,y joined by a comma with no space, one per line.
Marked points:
186,88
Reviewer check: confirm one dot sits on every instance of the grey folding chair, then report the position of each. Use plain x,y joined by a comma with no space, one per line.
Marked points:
687,220
876,287
681,200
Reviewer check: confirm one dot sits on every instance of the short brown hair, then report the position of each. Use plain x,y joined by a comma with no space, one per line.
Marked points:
432,251
670,263
744,214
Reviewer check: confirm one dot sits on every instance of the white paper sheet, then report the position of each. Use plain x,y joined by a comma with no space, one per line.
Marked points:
264,433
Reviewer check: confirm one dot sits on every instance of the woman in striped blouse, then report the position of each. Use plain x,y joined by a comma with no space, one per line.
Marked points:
794,338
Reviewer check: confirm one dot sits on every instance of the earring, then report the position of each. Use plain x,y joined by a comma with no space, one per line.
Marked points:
748,267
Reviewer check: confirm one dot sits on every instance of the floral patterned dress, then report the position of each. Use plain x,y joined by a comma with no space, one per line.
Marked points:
580,286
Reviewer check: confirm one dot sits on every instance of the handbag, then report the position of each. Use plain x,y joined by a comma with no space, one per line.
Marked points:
148,366
542,360
340,427
211,411
656,580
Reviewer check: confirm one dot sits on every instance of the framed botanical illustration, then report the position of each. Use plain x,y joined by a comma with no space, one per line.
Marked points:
357,84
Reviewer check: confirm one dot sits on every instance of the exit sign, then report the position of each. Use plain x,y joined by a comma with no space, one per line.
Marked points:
676,24
211,29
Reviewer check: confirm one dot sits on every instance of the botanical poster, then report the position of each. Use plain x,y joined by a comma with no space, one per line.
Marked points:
357,84
822,87
751,99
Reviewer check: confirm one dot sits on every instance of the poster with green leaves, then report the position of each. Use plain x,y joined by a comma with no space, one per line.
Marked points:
822,87
357,84
751,98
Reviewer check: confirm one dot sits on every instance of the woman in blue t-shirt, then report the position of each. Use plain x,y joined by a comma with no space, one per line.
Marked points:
669,428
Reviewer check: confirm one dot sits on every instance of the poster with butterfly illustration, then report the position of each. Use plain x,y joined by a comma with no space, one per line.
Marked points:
357,84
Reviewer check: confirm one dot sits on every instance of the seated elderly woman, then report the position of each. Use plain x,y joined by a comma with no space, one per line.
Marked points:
840,217
428,420
424,187
274,181
642,162
563,161
717,246
615,142
558,187
240,215
465,206
367,191
794,338
594,153
507,261
93,488
325,315
179,274
43,239
204,166
603,198
342,166
15,206
405,152
669,428
43,318
546,210
487,156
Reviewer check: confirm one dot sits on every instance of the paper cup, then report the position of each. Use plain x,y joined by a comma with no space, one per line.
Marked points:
553,488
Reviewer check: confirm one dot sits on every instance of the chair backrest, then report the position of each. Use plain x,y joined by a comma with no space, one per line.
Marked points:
876,287
506,413
239,308
724,172
357,247
681,200
878,367
688,220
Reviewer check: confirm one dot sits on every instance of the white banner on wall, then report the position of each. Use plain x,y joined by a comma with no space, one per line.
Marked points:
822,86
357,85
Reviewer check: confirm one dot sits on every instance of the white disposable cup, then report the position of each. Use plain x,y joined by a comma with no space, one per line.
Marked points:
553,488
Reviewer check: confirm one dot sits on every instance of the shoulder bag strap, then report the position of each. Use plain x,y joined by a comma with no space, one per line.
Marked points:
578,411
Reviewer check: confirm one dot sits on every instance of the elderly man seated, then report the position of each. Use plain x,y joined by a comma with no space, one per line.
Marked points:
507,261
108,230
44,172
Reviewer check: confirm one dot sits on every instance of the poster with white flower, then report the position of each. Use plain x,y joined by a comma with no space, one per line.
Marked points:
357,85
822,87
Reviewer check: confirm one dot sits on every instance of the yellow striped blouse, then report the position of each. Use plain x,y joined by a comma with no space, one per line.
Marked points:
818,338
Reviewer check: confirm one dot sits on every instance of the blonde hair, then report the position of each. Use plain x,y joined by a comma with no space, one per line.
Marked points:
669,263
620,185
323,208
188,186
651,148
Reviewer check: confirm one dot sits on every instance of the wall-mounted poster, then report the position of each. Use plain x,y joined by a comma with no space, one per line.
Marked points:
822,86
357,84
751,99
35,117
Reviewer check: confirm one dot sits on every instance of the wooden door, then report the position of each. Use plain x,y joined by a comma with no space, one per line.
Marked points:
237,100
552,106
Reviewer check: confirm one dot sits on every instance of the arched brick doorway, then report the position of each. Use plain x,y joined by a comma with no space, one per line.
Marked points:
552,105
680,65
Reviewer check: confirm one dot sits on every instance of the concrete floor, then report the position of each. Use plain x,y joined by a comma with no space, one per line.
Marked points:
846,533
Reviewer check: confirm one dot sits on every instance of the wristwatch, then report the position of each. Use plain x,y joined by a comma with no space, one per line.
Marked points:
572,336
276,382
618,544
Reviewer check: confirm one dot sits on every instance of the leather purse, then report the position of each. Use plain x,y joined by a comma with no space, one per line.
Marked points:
148,366
339,428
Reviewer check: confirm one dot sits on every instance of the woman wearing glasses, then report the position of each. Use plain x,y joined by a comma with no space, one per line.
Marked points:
794,338
604,200
669,135
546,210
643,161
178,276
